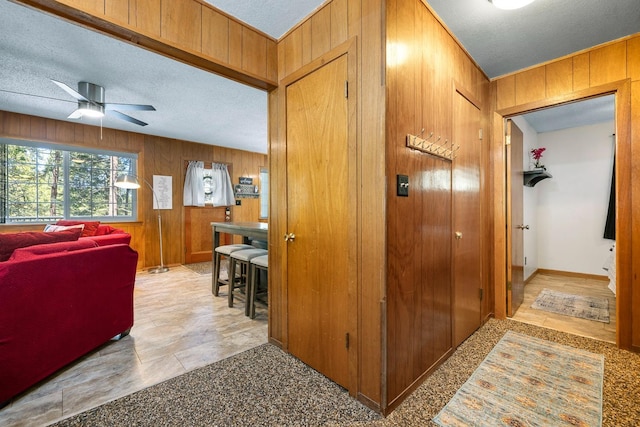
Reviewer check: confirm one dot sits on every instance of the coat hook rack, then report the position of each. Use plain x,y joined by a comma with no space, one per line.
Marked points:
435,148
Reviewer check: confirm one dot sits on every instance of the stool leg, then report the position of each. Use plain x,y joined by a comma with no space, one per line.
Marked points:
249,289
215,285
231,280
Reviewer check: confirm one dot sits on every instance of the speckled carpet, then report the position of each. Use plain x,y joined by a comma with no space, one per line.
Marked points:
266,387
591,308
200,267
528,381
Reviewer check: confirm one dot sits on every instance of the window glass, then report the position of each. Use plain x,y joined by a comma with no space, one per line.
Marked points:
47,183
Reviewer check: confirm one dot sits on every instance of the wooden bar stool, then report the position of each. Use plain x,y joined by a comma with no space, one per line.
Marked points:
219,252
258,264
240,260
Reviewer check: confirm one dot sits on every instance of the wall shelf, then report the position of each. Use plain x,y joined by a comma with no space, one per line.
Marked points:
533,177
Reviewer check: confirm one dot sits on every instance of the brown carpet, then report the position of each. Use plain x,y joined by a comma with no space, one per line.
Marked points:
265,387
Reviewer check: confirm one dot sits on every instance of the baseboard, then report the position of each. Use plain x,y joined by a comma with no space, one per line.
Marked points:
570,274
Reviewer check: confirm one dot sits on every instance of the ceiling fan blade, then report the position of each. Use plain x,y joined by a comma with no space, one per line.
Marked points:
119,115
70,91
75,115
129,107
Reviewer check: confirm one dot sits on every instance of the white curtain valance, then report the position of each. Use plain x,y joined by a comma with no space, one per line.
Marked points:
194,184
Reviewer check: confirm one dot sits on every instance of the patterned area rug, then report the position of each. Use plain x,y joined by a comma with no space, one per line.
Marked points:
526,381
591,308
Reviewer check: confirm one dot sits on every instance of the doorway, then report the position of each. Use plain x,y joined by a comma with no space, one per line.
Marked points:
564,215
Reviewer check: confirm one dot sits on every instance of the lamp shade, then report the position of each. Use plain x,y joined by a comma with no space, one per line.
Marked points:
510,4
127,181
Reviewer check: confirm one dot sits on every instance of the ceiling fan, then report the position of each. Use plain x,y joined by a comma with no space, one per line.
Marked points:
91,103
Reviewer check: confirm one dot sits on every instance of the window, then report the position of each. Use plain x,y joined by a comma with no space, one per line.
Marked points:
264,193
45,183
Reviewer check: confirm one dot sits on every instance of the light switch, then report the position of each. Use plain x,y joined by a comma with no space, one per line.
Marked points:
403,185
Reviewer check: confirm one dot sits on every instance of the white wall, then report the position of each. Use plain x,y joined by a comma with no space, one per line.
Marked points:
572,206
530,200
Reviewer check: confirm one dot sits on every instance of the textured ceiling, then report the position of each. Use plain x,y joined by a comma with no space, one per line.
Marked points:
198,106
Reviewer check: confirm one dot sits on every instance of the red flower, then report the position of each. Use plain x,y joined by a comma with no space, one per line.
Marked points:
536,153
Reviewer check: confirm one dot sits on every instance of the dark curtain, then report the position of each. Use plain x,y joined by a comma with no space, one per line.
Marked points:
610,224
4,166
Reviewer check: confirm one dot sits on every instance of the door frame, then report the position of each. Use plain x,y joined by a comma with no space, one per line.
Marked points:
354,284
624,270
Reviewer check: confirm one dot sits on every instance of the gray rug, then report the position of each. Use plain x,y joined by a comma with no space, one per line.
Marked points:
591,308
200,267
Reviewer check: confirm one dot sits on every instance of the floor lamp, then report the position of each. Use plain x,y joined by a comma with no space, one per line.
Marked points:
131,182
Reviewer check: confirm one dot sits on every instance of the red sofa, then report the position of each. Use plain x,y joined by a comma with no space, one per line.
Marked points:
59,301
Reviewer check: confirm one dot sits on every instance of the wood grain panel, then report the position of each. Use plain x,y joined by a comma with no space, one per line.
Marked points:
581,71
321,32
91,6
307,42
198,234
215,34
254,52
371,104
404,267
633,58
145,15
635,226
235,44
272,60
182,23
608,64
292,52
559,77
506,92
339,22
530,85
117,10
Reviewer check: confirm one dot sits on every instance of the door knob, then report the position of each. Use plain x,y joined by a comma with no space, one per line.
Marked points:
458,235
522,227
289,237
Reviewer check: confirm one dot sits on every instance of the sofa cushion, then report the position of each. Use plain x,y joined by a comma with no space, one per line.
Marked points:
31,252
12,241
50,228
104,229
90,227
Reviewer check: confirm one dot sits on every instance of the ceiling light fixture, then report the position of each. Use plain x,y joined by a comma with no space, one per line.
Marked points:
510,4
89,109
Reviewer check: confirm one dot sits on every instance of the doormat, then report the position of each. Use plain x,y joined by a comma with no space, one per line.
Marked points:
526,381
200,267
591,308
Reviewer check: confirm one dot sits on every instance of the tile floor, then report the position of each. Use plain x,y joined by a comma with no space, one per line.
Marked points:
179,326
573,325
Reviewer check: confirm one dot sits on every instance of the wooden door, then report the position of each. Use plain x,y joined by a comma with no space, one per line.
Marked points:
318,205
515,218
198,234
467,224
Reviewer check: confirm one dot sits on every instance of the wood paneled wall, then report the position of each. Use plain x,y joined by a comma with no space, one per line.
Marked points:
610,68
335,23
188,30
156,156
425,66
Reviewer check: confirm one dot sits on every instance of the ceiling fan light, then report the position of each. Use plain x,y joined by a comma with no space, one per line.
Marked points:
90,110
510,4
